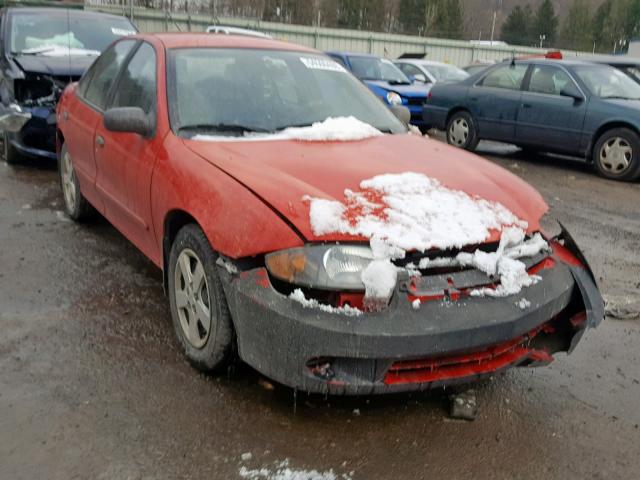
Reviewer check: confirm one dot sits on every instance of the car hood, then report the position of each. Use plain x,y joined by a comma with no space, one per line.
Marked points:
409,91
282,173
72,65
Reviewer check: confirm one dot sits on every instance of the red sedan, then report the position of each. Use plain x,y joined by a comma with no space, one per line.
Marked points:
299,223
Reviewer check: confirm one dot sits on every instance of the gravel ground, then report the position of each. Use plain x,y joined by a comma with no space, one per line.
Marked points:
93,386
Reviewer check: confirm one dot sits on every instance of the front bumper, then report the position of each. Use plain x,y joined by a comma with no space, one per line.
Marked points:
394,350
435,117
37,137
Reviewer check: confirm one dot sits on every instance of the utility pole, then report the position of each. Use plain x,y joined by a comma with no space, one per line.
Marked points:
493,25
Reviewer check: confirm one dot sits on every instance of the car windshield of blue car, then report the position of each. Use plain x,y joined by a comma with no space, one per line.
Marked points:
235,92
608,82
62,34
381,69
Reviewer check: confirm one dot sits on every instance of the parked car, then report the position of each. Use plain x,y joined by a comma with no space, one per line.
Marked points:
228,30
256,173
476,67
428,71
563,106
43,49
385,80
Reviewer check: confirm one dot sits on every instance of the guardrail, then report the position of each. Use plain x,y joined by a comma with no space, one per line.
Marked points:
456,52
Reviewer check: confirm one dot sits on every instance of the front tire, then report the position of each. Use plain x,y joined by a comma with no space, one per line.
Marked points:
616,154
76,206
199,310
461,131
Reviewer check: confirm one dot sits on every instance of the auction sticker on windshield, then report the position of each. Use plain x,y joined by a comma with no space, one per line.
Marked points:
319,63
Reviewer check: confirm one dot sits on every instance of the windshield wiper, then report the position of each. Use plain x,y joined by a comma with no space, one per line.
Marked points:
620,97
225,127
398,82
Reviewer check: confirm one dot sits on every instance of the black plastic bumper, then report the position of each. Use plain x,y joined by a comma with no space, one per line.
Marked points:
37,138
279,337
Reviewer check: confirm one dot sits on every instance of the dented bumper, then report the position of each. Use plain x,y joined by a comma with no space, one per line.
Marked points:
402,349
37,133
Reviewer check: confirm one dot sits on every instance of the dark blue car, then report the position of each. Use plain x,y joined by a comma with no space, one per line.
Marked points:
568,107
41,51
387,81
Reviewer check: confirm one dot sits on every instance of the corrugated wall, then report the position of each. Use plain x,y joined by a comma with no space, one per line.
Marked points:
386,45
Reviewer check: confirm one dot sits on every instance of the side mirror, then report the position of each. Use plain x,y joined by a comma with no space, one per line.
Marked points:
572,92
419,77
402,113
128,119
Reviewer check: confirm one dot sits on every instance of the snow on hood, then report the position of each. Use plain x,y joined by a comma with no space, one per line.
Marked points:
332,129
281,173
410,211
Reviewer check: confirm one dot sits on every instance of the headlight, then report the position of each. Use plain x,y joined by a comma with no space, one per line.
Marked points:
394,99
327,267
550,226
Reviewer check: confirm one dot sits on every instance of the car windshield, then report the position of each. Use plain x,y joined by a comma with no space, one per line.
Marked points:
58,34
447,73
233,91
608,82
374,68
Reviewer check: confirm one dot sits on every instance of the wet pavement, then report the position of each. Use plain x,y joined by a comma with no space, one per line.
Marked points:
93,386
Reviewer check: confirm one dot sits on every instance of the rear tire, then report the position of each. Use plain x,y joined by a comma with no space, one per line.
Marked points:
461,131
199,310
616,154
11,155
76,206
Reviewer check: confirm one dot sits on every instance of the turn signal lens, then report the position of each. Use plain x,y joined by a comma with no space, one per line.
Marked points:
286,265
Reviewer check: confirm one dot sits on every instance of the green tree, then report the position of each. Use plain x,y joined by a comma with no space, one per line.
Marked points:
577,33
545,23
515,29
412,16
448,21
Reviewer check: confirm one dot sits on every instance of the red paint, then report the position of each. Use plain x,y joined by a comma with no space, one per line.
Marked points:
355,300
262,278
239,192
564,255
485,361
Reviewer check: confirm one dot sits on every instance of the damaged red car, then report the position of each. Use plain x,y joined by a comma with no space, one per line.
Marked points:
303,228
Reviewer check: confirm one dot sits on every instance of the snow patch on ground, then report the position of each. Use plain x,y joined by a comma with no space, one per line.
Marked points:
340,129
410,211
298,296
282,471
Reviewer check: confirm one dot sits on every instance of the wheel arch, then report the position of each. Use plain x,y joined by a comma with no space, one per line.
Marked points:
174,220
604,128
59,140
455,110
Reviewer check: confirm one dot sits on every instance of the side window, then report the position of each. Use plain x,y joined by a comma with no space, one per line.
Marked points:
103,72
137,85
409,70
506,76
549,80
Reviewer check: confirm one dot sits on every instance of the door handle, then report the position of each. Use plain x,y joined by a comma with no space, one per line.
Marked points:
99,141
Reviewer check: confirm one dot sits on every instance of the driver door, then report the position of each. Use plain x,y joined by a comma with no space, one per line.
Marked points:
124,160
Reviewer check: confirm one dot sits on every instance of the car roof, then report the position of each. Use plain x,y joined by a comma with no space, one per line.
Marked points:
199,40
61,11
419,61
614,60
549,61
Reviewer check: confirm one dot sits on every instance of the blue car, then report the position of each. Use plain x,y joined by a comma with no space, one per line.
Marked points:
43,50
387,81
569,107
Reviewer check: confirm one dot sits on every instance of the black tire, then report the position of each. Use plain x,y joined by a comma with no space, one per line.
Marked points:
529,152
218,344
462,131
11,155
621,161
77,208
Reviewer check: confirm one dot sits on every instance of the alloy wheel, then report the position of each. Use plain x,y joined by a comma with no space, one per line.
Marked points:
68,182
193,302
616,155
459,132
